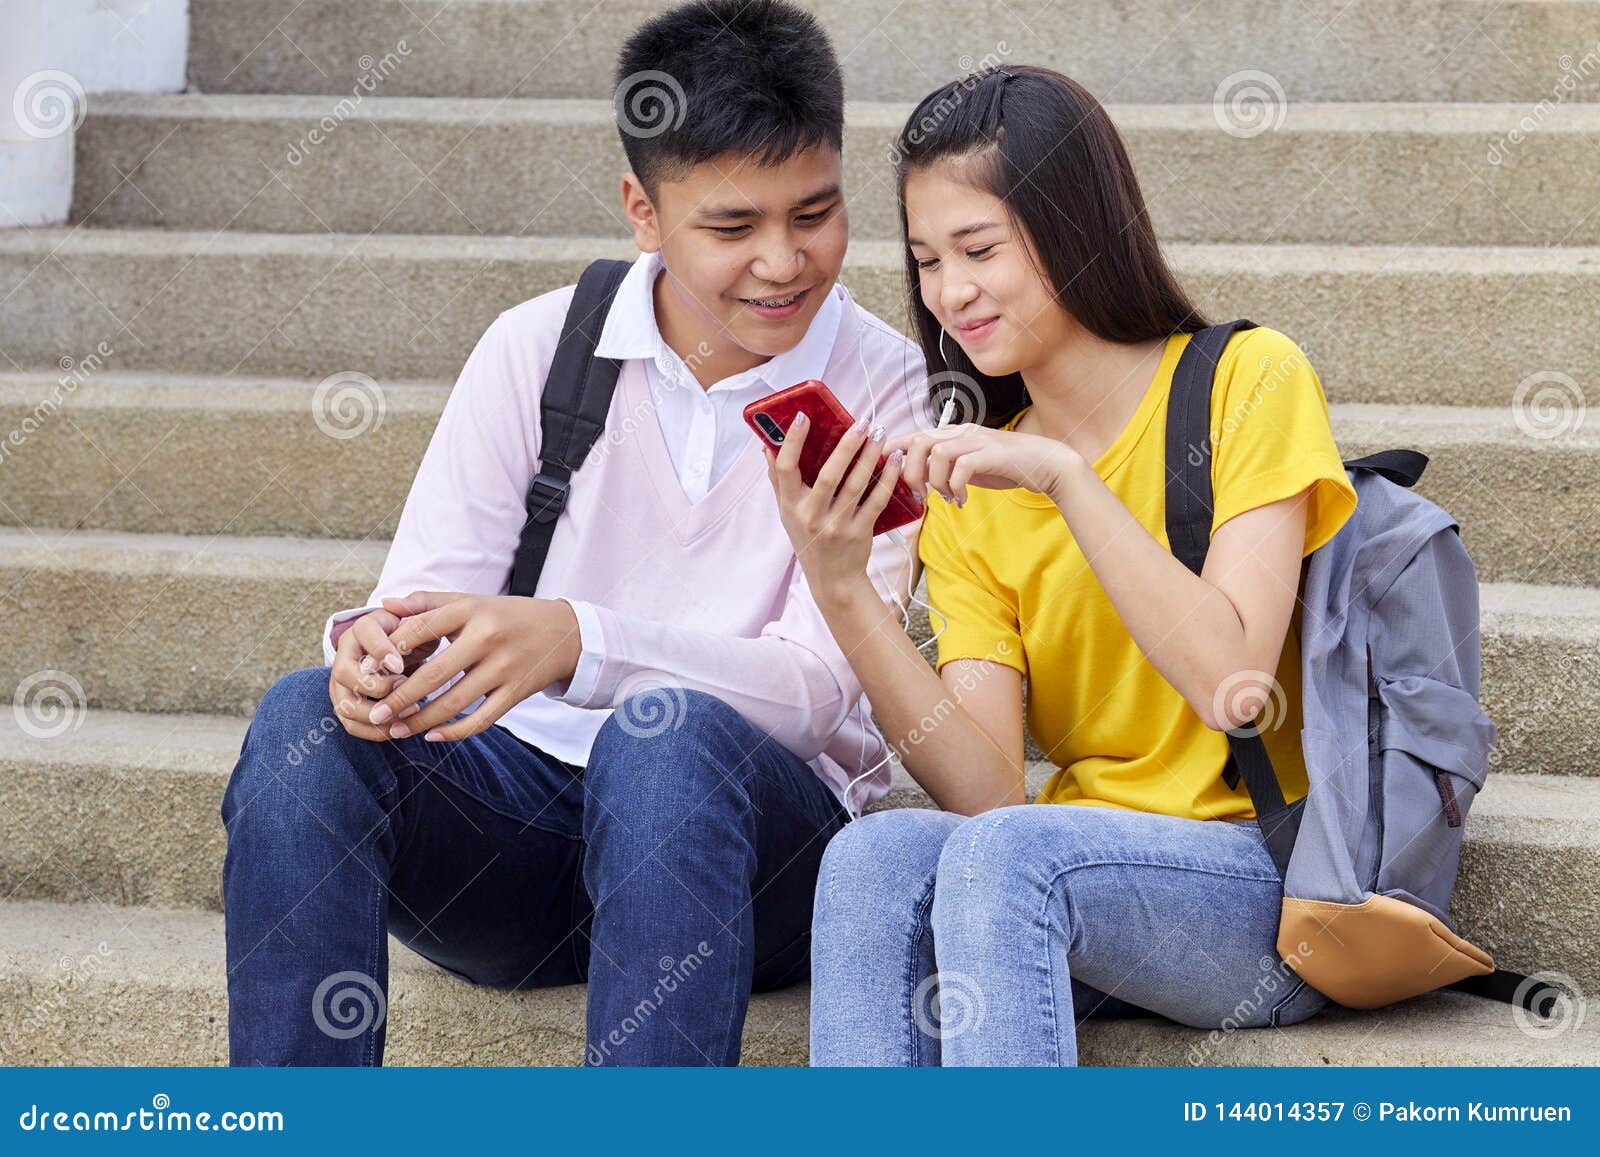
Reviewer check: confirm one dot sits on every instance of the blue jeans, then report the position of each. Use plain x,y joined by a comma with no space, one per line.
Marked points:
674,873
942,939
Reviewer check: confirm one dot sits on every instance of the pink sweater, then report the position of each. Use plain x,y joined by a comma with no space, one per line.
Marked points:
706,595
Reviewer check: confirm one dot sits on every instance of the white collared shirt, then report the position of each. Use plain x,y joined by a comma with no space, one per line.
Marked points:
704,427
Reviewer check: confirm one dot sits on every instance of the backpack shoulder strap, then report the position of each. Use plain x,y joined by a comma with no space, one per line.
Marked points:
1190,507
1402,467
1189,499
572,412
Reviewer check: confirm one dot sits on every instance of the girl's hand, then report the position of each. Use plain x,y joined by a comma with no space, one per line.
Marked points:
948,460
830,522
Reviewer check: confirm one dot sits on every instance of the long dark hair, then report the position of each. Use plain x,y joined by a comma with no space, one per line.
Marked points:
1045,146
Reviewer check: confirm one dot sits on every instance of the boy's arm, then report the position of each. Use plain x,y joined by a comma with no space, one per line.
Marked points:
465,511
792,681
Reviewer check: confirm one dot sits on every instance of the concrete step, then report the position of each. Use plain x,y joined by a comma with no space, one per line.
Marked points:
1382,324
1136,50
121,809
95,985
208,454
207,623
171,622
198,454
1432,174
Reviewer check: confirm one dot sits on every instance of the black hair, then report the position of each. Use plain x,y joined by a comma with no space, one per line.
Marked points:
1046,147
752,77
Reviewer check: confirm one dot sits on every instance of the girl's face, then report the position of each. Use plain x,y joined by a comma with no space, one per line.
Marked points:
976,273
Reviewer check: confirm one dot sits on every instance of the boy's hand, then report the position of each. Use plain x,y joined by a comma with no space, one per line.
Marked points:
507,646
366,667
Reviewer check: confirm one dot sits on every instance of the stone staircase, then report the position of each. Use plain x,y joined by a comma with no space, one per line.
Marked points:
173,534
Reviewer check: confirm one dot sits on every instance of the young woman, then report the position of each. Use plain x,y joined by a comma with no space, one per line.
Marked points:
1138,882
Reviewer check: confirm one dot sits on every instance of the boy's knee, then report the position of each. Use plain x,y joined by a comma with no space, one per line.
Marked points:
297,699
294,748
672,737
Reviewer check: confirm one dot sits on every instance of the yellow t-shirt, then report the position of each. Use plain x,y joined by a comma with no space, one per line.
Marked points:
1011,586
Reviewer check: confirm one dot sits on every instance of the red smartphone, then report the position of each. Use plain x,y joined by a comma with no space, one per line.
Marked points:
770,417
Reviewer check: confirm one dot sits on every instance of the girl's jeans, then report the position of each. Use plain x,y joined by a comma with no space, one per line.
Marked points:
1035,916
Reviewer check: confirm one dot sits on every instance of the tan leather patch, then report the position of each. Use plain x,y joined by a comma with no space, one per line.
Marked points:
1374,953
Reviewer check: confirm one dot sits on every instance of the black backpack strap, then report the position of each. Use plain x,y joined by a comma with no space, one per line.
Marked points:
1279,822
572,412
1505,985
1402,467
1189,505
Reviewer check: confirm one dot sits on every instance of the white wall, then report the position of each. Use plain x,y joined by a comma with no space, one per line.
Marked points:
54,56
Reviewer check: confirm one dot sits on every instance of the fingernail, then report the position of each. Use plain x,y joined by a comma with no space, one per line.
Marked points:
368,665
897,457
399,679
433,737
799,420
860,426
399,731
878,433
380,713
394,662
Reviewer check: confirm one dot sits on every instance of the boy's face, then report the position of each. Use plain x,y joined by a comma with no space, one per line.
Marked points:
750,250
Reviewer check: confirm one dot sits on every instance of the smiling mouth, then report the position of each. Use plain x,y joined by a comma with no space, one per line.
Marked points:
775,302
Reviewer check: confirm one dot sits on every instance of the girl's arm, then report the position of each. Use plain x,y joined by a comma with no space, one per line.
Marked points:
959,734
1217,636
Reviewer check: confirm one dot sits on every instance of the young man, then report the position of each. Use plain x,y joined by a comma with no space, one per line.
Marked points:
659,746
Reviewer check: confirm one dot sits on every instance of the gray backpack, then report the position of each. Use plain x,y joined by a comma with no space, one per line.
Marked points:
1396,745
